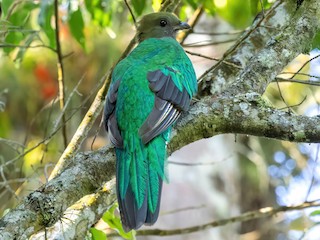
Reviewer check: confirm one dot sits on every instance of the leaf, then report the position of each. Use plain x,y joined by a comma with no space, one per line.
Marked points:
22,50
14,27
5,5
156,5
76,25
115,223
192,3
316,41
138,6
97,234
315,213
44,20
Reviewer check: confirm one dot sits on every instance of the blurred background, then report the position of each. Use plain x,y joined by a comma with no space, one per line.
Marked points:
211,179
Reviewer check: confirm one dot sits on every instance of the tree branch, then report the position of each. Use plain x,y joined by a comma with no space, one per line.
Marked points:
261,213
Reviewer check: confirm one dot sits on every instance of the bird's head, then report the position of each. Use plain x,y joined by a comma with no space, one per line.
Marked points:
158,25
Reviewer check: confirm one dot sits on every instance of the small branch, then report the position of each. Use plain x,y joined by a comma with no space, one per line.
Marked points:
60,68
305,64
75,89
236,32
261,213
8,45
209,43
214,59
306,82
131,13
192,22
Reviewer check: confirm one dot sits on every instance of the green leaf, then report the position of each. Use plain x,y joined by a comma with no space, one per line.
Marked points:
138,6
97,234
22,50
5,5
17,22
44,20
192,3
316,41
115,223
315,213
76,24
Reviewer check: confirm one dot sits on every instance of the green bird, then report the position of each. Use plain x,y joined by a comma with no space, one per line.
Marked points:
149,90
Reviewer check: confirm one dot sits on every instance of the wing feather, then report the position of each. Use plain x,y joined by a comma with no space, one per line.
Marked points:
110,121
170,101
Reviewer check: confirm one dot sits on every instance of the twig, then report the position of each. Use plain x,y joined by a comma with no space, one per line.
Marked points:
6,184
302,74
131,13
67,103
214,59
236,32
295,105
45,140
182,210
313,83
60,69
311,59
8,45
281,96
261,213
209,43
192,22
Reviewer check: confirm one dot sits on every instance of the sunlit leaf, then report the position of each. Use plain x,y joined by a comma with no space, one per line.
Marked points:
115,223
156,5
97,234
76,24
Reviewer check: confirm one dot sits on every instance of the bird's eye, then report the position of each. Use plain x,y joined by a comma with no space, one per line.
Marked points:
163,23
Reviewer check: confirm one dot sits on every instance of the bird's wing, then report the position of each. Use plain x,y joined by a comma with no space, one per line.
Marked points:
109,117
173,87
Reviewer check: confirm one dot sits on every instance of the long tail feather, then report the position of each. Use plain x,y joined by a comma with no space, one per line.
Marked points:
140,172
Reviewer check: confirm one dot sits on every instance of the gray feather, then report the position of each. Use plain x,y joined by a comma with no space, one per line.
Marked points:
169,102
110,121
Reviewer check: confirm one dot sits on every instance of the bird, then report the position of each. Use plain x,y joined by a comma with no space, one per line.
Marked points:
149,90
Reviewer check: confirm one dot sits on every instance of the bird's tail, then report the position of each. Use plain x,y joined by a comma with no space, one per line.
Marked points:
140,172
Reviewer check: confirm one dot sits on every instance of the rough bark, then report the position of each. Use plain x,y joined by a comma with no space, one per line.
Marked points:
85,189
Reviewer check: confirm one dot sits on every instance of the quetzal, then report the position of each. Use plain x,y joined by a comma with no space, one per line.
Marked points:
149,90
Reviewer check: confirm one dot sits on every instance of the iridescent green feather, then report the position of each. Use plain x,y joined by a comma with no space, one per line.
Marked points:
140,166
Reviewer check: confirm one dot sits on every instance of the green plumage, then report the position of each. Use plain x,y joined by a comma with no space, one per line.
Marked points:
141,163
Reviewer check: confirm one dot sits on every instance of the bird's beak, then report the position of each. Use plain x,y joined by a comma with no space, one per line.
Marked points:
183,25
